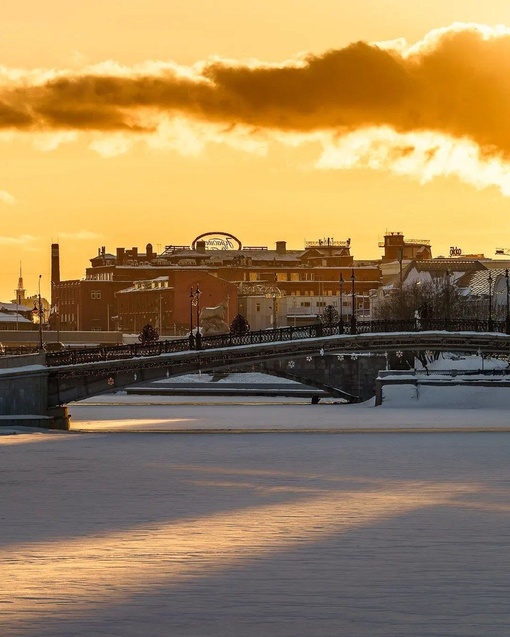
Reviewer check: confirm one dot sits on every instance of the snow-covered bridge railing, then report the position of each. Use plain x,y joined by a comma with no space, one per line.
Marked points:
318,330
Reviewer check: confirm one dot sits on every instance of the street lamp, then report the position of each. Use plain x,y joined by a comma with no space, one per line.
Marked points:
447,305
194,301
38,310
341,312
490,323
191,299
275,315
353,315
507,318
197,304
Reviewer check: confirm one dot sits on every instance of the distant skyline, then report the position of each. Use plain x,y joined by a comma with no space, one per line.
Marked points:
126,123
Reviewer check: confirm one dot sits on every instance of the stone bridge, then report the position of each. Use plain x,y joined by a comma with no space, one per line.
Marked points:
47,383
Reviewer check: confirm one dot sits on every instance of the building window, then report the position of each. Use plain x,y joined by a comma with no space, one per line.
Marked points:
305,304
258,307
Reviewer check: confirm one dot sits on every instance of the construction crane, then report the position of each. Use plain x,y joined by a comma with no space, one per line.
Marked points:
503,251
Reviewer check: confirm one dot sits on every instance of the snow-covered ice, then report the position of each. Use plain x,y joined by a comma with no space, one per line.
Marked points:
123,530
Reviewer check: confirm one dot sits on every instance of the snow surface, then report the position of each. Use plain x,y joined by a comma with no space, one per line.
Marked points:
123,530
449,361
435,408
236,377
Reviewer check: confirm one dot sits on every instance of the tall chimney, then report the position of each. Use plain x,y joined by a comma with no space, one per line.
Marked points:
55,273
281,247
55,264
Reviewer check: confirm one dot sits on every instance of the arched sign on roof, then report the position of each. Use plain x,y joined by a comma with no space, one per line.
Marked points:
218,241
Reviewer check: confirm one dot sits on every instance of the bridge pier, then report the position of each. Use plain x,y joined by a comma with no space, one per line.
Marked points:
60,418
24,395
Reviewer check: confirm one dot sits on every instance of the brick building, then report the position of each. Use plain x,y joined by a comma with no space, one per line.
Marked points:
130,288
87,304
165,302
396,248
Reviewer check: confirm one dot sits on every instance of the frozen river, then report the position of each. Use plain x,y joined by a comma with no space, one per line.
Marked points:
144,533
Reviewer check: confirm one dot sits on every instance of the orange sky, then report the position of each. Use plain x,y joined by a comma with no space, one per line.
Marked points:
124,122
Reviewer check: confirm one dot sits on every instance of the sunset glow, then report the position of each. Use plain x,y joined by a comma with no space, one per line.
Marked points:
126,125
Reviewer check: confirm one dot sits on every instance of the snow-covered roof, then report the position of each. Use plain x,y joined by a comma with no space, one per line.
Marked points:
440,267
14,307
13,318
479,281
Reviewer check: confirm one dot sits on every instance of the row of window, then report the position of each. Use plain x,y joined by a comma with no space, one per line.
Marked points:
294,276
312,293
282,276
100,276
334,303
323,303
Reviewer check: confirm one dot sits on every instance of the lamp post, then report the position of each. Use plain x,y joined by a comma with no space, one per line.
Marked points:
341,312
447,304
191,338
490,325
198,337
38,309
507,317
353,315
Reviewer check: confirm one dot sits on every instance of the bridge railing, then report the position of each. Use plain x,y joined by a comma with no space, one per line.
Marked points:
118,352
115,352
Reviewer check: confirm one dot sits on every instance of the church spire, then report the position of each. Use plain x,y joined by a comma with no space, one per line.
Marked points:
20,290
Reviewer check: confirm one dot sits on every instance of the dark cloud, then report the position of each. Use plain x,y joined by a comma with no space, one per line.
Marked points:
14,117
458,84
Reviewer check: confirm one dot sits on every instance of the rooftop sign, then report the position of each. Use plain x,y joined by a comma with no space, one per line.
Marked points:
218,241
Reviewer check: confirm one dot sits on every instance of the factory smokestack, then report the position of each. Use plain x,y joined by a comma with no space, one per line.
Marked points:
55,264
55,273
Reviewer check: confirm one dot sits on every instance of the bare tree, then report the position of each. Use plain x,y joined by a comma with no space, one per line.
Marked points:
437,299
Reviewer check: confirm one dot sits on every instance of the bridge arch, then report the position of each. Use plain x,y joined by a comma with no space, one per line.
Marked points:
68,383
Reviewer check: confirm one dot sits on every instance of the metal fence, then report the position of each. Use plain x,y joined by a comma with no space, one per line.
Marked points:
119,352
